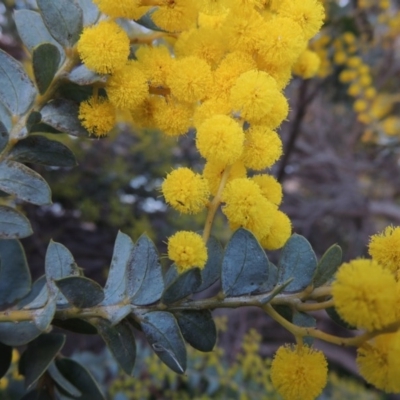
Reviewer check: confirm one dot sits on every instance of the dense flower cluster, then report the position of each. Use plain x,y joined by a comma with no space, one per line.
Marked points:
220,70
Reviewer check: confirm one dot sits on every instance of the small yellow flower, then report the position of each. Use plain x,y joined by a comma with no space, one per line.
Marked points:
220,138
122,8
279,111
385,249
271,189
97,116
307,65
104,48
187,250
185,191
379,362
365,294
279,233
299,373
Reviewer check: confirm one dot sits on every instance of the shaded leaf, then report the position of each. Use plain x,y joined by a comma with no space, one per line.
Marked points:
90,12
63,19
333,314
41,394
212,270
15,277
34,118
61,381
81,292
62,114
144,275
81,75
183,286
76,93
45,62
277,290
285,311
148,23
245,265
121,342
39,355
328,265
18,334
38,149
75,325
307,321
42,317
4,137
115,289
13,224
272,280
5,358
17,92
163,334
198,329
34,292
79,376
22,182
297,261
5,117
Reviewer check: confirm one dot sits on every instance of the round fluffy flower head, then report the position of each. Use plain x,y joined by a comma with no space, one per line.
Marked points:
253,95
104,48
97,116
309,14
379,362
365,294
263,147
187,250
299,373
307,65
277,114
385,249
220,138
127,88
209,108
279,233
122,8
185,191
245,206
271,189
190,79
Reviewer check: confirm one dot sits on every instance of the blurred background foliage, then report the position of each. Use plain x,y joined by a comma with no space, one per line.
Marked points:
341,182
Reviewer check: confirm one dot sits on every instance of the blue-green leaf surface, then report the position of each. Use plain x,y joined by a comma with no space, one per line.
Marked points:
5,117
90,11
328,265
13,224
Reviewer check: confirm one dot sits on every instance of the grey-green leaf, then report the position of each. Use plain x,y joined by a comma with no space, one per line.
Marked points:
297,261
13,224
183,286
17,92
115,289
75,325
121,342
22,182
163,334
18,334
245,265
63,19
212,270
61,381
198,329
272,279
42,317
5,359
81,292
307,321
81,75
90,11
328,265
39,355
144,275
79,376
38,149
62,115
5,117
15,277
277,290
148,23
46,59
4,137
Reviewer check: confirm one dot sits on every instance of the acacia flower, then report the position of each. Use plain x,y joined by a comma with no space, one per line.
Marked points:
187,250
279,233
307,65
122,8
278,112
97,116
365,294
299,373
185,191
385,249
104,48
379,362
271,189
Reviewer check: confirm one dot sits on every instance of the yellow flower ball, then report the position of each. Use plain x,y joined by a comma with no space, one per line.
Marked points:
220,138
122,8
347,76
185,191
391,125
365,294
379,362
246,206
190,79
307,65
127,88
187,250
271,189
279,111
360,105
97,116
299,373
280,232
262,148
104,48
384,248
253,95
209,108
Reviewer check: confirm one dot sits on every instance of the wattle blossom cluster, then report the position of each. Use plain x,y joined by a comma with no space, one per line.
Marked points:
220,68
